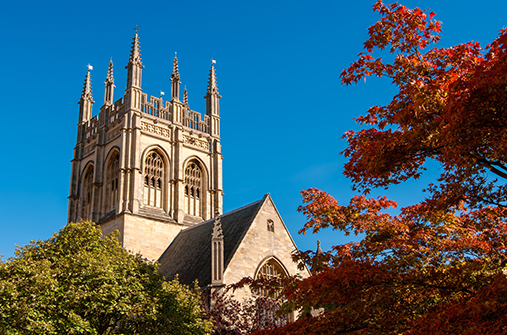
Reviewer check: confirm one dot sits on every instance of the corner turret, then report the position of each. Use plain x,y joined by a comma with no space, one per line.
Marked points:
109,90
212,105
175,81
134,72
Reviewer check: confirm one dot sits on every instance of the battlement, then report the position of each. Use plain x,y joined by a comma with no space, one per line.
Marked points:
153,106
175,112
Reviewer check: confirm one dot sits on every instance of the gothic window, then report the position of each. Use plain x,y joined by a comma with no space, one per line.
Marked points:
112,176
86,203
269,270
271,226
193,185
153,179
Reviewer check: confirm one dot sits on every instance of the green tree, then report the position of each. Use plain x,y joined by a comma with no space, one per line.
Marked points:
80,282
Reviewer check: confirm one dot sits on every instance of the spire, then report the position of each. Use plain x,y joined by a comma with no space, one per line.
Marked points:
320,262
212,105
175,80
87,87
86,101
212,81
134,65
185,97
135,52
319,251
110,78
109,90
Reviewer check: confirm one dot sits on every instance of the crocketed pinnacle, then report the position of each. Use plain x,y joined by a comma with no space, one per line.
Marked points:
185,96
212,81
175,75
217,227
110,78
135,53
87,88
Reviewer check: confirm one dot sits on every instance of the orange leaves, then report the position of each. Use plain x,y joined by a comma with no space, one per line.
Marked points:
323,211
403,30
434,267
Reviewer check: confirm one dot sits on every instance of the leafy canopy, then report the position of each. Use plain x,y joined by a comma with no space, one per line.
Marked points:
439,266
80,282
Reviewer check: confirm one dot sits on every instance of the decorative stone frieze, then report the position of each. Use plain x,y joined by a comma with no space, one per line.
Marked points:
195,142
151,128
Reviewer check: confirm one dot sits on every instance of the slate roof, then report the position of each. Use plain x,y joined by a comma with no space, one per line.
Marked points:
189,255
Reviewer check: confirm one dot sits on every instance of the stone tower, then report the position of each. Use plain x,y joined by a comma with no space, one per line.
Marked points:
146,167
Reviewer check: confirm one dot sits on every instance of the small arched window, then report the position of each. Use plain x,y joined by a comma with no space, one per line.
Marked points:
153,179
87,195
271,226
112,176
192,186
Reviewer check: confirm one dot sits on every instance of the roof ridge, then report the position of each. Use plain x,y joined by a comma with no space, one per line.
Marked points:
223,215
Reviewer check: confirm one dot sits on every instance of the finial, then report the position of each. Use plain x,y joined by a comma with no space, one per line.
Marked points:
185,96
319,250
137,28
135,53
212,81
175,74
110,71
87,88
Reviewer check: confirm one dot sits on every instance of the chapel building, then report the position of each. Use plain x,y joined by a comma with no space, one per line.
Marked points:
152,169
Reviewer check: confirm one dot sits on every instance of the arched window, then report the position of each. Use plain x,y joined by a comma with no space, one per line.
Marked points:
193,185
112,176
271,269
153,179
86,203
271,226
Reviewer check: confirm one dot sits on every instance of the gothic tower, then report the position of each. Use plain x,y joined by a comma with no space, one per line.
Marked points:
146,167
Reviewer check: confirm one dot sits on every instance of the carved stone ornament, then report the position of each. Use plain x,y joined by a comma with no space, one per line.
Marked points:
195,142
151,128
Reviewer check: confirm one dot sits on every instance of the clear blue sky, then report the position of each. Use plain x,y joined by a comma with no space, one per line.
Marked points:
278,63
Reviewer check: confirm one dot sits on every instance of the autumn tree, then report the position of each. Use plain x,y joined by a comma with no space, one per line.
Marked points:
232,316
80,282
439,266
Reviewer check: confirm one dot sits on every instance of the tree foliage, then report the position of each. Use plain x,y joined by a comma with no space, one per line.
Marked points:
232,316
439,266
80,282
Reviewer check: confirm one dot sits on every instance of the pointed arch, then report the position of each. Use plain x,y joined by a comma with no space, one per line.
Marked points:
154,178
87,192
194,187
112,176
270,268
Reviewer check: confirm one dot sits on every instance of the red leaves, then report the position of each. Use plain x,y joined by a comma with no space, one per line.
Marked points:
434,267
404,30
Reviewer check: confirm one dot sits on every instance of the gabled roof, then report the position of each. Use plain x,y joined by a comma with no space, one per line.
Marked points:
189,255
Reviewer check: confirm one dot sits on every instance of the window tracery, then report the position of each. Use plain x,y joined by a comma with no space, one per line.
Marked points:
269,270
112,177
153,179
86,211
193,184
